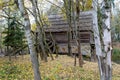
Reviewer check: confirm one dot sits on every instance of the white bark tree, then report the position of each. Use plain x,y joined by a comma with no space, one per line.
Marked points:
97,36
106,9
39,28
33,53
104,57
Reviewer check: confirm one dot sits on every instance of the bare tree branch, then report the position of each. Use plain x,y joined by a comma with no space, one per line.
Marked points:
56,5
12,18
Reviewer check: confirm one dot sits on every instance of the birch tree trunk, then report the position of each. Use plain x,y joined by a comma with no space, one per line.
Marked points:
34,8
106,9
33,56
97,37
97,42
104,57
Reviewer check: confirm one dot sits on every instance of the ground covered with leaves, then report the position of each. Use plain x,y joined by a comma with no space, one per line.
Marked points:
61,68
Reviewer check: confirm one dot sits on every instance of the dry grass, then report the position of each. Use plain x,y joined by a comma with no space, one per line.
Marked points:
62,68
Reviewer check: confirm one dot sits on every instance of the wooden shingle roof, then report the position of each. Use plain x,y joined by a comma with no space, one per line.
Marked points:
58,23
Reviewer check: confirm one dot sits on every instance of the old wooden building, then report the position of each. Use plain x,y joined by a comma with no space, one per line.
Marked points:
59,28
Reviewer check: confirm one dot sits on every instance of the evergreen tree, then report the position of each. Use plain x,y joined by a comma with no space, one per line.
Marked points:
14,35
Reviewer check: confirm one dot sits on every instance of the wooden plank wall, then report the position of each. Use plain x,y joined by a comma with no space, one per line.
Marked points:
59,24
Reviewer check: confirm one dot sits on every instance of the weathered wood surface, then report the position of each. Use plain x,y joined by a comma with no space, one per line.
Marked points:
59,28
85,49
59,23
61,37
